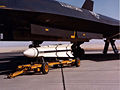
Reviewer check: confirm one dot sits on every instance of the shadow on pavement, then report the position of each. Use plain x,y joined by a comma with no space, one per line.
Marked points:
101,57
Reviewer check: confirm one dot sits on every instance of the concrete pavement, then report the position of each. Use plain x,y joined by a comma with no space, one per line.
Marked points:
97,72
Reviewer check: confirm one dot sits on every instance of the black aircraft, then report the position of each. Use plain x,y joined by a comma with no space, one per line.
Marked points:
50,20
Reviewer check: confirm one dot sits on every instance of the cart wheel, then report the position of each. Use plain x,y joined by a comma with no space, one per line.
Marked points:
45,68
77,62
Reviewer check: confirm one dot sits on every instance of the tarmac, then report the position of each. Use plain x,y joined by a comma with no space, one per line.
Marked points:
97,72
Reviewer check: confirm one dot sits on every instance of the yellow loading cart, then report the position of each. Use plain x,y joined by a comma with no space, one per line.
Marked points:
43,67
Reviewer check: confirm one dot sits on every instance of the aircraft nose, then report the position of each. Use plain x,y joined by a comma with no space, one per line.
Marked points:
32,52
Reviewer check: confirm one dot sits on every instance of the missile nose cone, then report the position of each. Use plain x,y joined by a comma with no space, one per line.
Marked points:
30,53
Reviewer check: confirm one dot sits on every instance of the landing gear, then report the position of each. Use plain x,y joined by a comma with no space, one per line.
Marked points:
35,44
106,46
114,46
107,42
78,52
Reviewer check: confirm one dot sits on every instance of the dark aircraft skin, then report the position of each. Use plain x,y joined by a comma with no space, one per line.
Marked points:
47,20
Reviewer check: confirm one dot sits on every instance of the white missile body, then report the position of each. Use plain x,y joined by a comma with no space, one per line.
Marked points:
50,51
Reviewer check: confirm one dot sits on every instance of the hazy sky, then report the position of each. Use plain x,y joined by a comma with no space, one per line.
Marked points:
105,7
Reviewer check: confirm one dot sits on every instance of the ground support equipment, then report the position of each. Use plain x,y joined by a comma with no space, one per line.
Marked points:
44,67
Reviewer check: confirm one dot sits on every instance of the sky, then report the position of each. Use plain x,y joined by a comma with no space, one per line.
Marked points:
105,7
108,8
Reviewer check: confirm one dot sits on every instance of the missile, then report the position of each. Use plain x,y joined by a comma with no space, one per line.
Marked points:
50,51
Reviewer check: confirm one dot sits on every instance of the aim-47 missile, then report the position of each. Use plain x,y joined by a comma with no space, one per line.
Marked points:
50,51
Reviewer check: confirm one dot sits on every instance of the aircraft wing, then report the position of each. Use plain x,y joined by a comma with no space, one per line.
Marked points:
52,20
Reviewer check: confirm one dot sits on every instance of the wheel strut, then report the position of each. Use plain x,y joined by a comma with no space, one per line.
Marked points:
114,46
106,46
107,42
